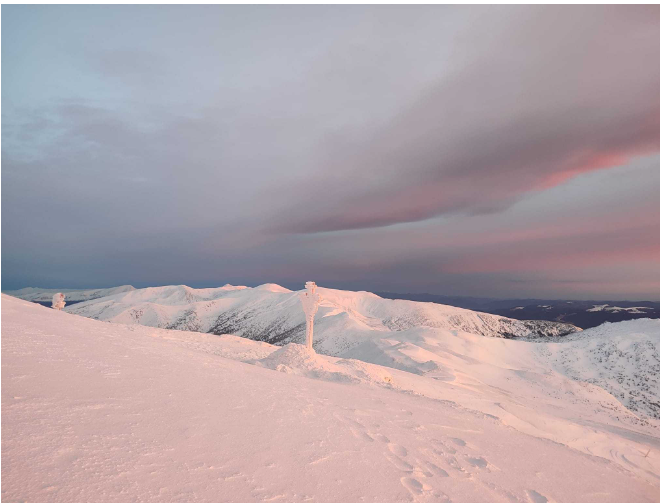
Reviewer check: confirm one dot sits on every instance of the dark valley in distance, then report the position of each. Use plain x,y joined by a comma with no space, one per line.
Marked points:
584,314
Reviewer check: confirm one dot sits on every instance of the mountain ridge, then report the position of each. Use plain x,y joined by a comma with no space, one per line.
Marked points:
42,296
273,314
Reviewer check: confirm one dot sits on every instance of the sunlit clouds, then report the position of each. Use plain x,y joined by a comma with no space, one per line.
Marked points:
497,151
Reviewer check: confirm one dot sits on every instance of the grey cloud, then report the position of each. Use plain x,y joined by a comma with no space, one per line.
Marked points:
225,150
526,112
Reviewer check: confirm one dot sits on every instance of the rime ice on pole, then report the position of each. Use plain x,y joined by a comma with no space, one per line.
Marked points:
58,301
310,302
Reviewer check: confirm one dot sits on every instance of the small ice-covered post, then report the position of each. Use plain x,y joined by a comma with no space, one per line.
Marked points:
310,303
58,301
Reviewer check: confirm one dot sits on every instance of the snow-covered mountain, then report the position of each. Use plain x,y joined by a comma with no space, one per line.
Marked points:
39,295
421,338
621,357
95,411
272,313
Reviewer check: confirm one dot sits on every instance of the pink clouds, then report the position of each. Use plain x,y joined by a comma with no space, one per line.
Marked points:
443,148
524,114
569,255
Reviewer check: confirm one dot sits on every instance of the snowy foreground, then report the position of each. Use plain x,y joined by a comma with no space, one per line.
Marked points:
99,411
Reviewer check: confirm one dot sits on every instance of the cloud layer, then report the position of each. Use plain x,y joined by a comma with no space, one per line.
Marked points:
427,148
541,96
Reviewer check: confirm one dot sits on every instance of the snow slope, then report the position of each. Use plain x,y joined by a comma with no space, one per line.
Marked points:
621,357
38,294
271,313
93,411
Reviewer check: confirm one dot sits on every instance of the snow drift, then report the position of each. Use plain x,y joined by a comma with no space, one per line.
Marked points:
104,412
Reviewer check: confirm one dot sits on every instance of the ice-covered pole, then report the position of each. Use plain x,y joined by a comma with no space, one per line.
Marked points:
310,302
58,301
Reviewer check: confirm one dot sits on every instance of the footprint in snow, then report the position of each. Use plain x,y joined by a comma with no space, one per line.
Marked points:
534,496
413,485
477,461
399,463
359,434
441,448
436,470
397,449
451,460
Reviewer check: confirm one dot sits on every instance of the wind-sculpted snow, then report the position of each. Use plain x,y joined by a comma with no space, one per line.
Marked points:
273,314
298,359
622,357
94,412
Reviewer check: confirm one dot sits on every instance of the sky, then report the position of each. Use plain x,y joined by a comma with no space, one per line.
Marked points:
461,150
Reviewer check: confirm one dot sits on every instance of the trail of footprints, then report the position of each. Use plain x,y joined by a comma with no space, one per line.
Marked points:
450,457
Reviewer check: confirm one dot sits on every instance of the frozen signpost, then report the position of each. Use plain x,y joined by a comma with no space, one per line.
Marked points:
310,303
58,301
